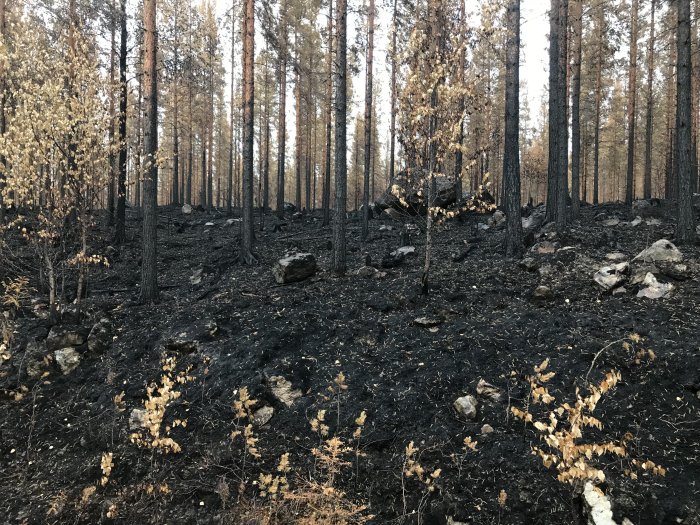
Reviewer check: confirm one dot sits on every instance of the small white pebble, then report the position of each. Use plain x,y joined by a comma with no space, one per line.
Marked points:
474,286
337,362
12,451
50,447
201,504
421,364
567,301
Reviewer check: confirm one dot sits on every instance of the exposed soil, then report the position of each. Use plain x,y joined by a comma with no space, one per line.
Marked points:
243,329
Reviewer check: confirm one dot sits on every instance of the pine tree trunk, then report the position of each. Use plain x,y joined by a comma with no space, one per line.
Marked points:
229,182
281,127
368,120
598,101
632,106
3,32
297,137
120,233
392,125
553,177
511,153
326,197
577,31
563,115
246,255
685,227
149,266
650,106
341,174
112,81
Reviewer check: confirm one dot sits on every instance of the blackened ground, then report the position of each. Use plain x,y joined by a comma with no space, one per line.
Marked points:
406,377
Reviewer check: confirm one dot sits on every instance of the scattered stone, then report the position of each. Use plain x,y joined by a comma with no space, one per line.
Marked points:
610,277
405,251
611,222
63,337
597,506
661,250
466,406
620,291
639,273
542,294
497,219
654,289
294,268
231,222
262,416
187,209
67,359
616,257
545,248
535,220
186,339
653,222
489,391
283,391
209,224
487,429
100,337
35,359
137,418
636,222
385,228
545,270
483,227
369,272
196,277
427,322
530,264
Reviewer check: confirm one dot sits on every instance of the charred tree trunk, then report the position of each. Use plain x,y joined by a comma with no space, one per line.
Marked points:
632,105
577,32
120,233
650,106
149,266
339,254
246,253
368,120
326,197
281,127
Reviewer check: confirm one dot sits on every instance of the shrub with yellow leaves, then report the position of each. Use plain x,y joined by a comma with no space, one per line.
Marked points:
563,430
158,399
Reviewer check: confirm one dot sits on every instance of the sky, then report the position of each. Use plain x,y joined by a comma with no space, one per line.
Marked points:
533,59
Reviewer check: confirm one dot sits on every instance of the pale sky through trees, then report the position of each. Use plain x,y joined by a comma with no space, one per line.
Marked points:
533,68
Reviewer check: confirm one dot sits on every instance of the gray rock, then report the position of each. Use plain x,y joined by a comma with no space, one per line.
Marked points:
653,222
636,222
64,337
100,337
187,209
610,277
187,338
427,322
530,264
611,222
542,294
661,250
138,419
497,219
620,291
262,416
294,268
544,248
654,289
369,272
67,359
283,390
231,222
466,406
639,273
679,272
35,359
616,257
487,429
405,251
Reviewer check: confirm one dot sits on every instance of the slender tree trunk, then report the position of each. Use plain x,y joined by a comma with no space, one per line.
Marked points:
392,125
281,128
266,153
297,137
326,197
3,32
511,154
685,227
632,105
139,153
650,106
246,253
368,120
229,183
553,177
149,266
112,84
563,114
577,31
339,253
120,233
598,101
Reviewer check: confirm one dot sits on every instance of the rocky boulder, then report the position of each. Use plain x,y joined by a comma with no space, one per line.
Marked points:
661,250
653,289
610,277
67,360
100,337
294,267
466,406
64,337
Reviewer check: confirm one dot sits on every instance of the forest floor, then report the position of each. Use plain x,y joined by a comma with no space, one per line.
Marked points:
229,326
